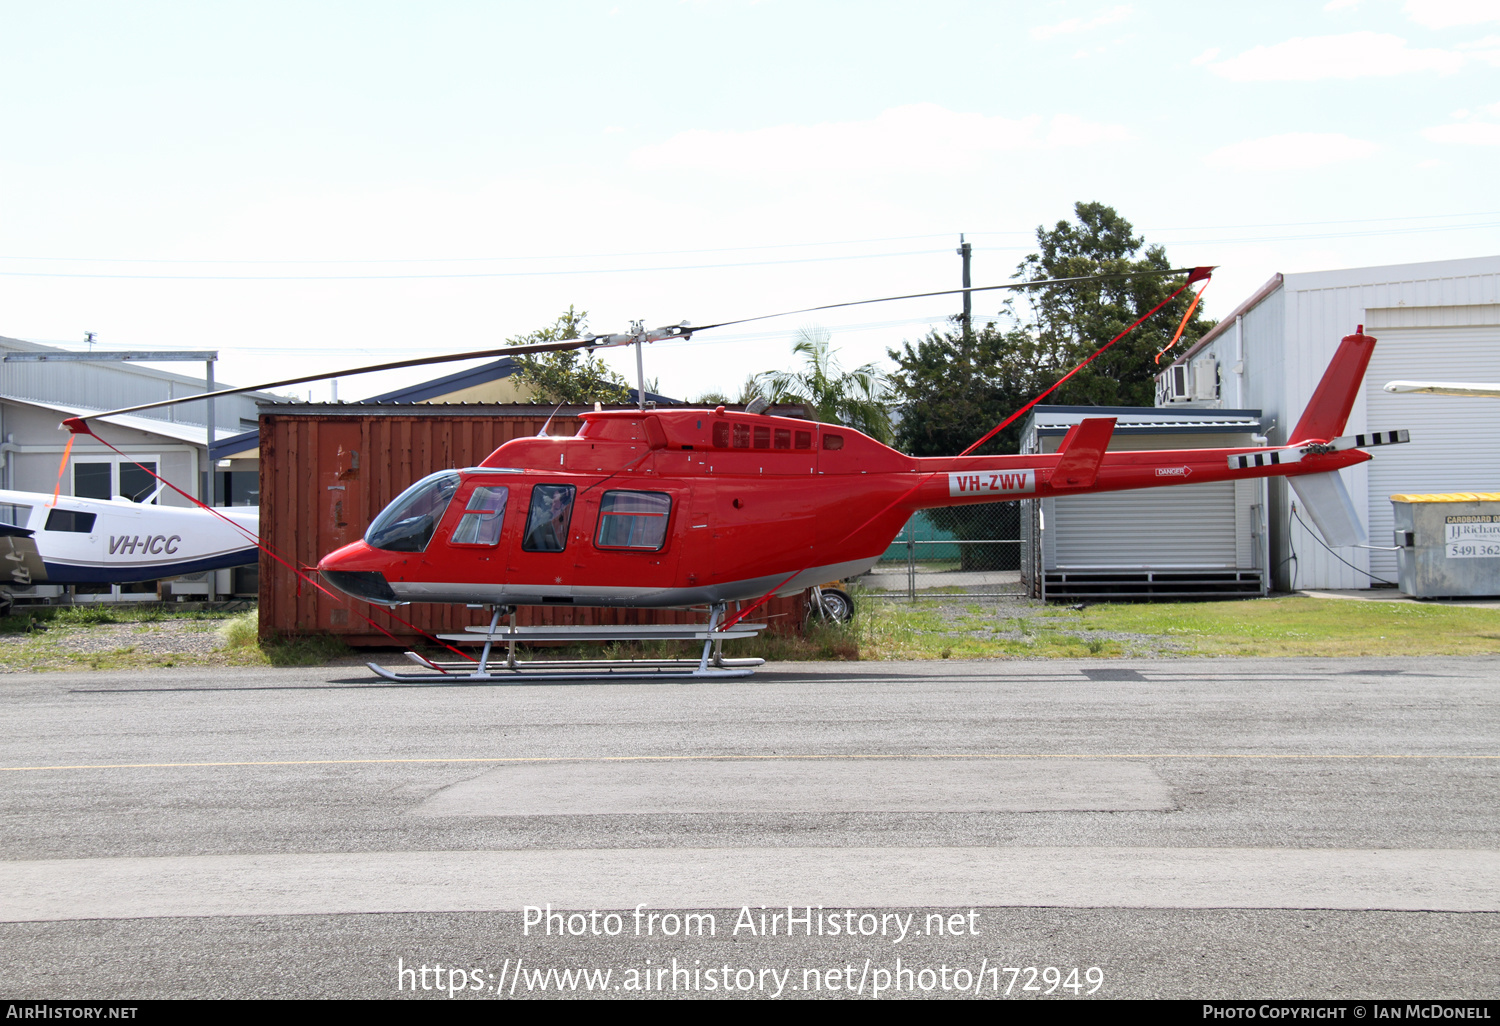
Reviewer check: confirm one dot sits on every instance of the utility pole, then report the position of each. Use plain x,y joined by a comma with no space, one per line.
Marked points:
965,250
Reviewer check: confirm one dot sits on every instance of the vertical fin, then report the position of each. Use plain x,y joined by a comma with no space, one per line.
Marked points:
1082,451
1328,409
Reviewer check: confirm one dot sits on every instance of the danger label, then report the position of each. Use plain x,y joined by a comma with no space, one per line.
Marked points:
988,482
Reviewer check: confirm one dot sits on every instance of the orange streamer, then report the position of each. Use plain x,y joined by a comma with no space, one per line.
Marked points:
62,469
1185,318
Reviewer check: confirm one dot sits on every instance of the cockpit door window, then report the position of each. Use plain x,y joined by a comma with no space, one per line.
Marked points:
547,521
482,517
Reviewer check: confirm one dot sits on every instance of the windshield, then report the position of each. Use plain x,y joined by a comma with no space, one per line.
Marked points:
407,524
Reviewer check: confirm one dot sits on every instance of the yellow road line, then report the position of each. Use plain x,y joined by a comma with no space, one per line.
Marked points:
725,758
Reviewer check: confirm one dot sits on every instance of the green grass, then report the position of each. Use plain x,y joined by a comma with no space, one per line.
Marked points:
28,619
1288,626
243,647
36,640
1296,626
881,629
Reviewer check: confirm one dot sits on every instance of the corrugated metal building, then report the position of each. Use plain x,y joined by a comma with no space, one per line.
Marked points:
35,397
1436,321
1185,541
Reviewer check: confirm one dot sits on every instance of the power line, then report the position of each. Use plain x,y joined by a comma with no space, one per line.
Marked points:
1030,234
474,274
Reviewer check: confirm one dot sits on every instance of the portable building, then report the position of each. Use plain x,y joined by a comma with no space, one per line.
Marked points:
1184,541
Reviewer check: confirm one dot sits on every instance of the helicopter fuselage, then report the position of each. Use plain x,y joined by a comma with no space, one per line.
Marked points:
661,508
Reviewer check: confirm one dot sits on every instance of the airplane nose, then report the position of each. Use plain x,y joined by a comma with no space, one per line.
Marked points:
349,570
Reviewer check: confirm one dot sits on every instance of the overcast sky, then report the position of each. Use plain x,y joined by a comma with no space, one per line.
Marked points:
316,184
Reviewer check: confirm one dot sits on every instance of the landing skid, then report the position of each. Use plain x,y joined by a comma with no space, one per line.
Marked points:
493,668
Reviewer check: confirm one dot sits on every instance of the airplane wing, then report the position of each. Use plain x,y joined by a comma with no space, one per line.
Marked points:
1467,388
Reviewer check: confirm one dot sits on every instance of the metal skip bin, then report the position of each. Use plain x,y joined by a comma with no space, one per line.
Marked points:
1449,544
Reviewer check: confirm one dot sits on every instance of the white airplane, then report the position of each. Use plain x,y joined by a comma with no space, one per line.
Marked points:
116,541
1466,388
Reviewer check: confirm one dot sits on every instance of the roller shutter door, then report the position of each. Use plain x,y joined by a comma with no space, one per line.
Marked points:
1181,526
1455,442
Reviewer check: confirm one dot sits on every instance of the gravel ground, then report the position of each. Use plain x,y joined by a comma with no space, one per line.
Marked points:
1002,617
164,637
58,646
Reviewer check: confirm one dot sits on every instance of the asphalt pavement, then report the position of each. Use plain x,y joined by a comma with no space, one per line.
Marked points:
1177,828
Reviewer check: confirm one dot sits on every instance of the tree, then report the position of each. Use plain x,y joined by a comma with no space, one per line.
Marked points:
573,377
1071,321
831,394
953,386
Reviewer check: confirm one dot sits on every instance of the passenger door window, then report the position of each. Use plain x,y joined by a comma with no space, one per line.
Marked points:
633,520
547,520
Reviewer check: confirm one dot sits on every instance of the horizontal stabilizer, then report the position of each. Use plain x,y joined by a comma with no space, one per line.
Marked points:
1273,458
1082,451
1276,457
1327,501
1370,440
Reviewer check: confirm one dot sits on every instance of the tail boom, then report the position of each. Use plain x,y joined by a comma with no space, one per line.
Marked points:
961,481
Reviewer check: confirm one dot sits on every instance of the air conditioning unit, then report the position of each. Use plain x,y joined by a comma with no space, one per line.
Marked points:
1206,379
1177,384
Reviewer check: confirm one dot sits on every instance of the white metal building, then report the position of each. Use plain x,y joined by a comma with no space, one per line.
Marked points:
35,397
1186,541
1434,321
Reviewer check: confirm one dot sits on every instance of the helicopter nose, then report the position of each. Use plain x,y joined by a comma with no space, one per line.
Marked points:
353,570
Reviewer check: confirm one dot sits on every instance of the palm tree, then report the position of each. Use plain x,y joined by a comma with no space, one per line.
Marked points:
832,395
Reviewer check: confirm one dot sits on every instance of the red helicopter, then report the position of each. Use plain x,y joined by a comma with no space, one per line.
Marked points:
684,507
706,507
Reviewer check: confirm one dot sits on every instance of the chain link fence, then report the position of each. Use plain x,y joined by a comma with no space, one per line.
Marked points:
959,552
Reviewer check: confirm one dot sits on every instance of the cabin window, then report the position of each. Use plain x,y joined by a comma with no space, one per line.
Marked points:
721,434
15,516
406,525
804,439
833,441
633,520
480,523
762,436
783,438
70,521
547,522
742,436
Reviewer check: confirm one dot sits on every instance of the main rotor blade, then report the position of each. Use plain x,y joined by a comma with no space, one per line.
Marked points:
1197,272
421,361
598,340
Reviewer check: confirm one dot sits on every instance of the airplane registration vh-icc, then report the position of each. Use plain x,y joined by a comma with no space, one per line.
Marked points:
67,540
684,507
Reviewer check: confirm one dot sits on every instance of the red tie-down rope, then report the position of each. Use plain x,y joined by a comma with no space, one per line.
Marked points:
1182,325
1197,274
79,427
